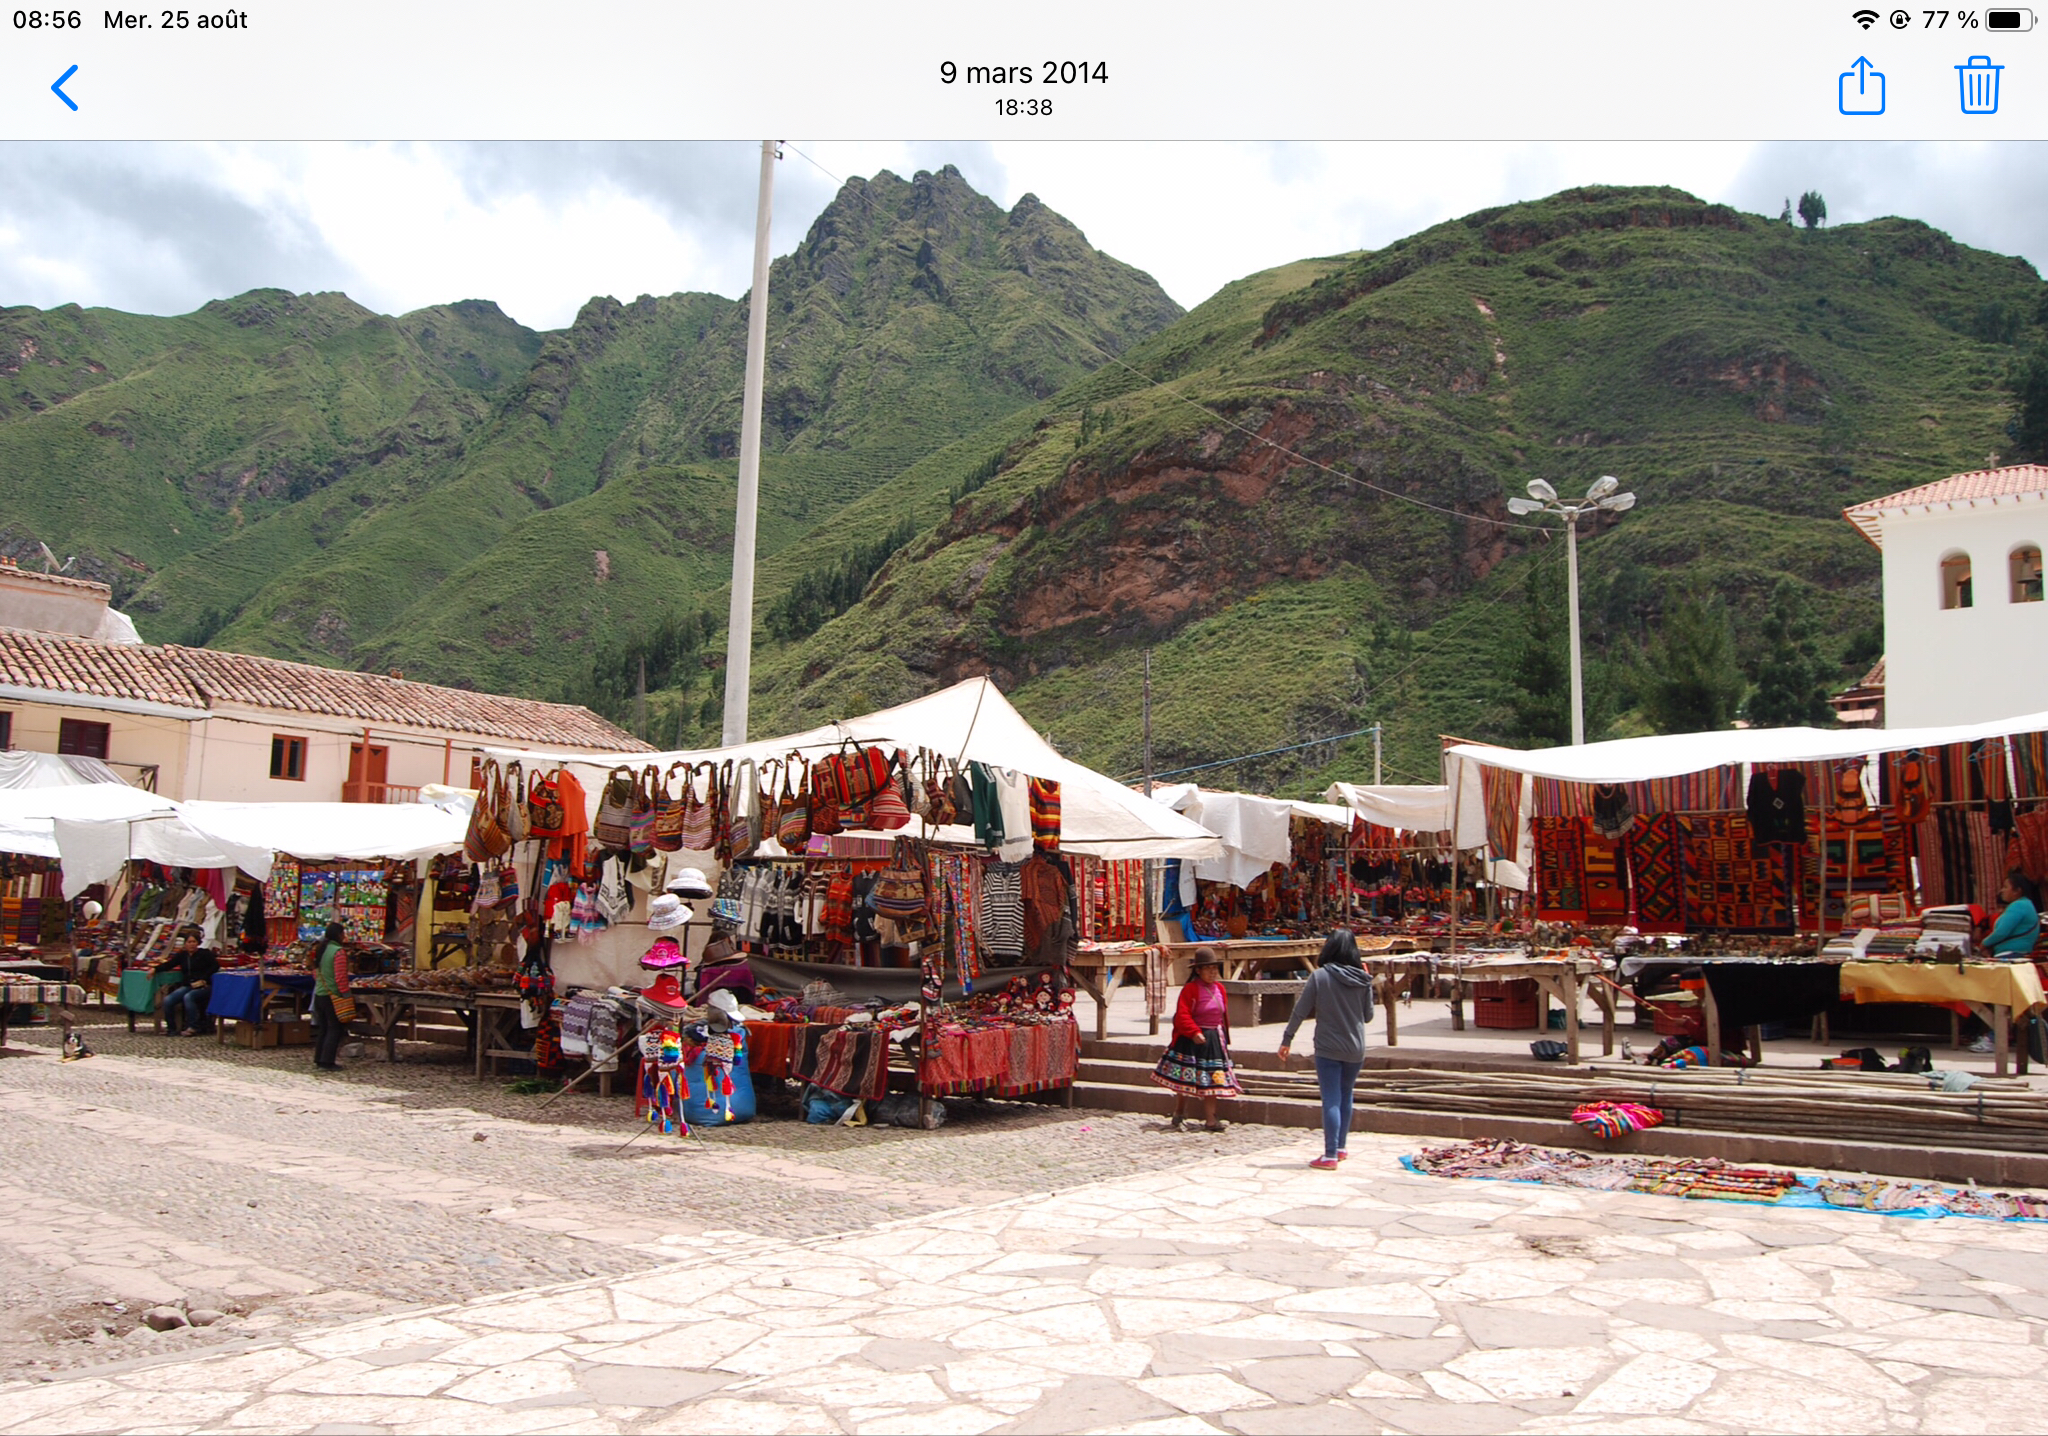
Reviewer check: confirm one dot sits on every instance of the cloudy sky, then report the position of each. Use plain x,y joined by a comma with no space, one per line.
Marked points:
540,228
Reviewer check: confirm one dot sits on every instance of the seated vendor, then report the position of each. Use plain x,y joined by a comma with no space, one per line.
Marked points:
2018,927
184,1002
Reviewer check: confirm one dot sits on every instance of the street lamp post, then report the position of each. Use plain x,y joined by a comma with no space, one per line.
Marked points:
1543,499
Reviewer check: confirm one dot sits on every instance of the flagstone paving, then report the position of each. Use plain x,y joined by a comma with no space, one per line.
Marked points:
179,1171
1245,1293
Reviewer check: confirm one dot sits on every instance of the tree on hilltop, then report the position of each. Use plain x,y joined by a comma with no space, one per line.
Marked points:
1813,209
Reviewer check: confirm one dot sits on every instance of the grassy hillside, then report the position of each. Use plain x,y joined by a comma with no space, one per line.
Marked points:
295,475
1747,380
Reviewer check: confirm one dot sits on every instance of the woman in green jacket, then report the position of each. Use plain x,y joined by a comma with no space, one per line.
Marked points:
330,999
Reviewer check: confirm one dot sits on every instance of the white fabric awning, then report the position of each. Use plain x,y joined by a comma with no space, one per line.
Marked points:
1415,808
95,834
1637,760
969,722
1254,828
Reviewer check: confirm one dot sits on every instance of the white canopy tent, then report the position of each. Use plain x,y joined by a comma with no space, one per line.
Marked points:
1671,755
98,828
1253,828
970,722
29,816
1415,807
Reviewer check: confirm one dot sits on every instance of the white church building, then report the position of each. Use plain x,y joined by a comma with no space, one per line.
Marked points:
1965,627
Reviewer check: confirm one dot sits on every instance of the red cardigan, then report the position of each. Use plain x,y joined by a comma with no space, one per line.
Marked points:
1184,1024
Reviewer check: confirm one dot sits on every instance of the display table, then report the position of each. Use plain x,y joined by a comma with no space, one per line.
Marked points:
140,991
389,1006
1099,971
1563,979
1249,956
246,995
1995,991
16,990
499,1033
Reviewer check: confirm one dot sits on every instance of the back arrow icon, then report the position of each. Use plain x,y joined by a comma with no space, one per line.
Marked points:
58,88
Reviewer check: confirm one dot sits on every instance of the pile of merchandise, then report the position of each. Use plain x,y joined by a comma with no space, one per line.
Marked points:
1498,1160
460,981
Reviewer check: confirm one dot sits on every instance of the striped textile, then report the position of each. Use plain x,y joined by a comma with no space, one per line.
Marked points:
1045,814
1002,912
1502,790
1712,790
2030,758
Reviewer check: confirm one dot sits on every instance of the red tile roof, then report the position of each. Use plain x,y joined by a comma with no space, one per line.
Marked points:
10,569
201,678
59,663
1957,488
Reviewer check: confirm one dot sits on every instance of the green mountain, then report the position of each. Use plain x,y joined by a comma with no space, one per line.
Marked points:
991,448
454,495
1296,495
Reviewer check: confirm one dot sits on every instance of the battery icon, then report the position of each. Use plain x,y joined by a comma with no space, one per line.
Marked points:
2008,19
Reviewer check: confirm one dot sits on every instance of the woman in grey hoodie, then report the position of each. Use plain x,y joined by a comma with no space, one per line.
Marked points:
1338,996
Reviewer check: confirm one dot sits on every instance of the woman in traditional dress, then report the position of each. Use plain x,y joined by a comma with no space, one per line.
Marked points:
1197,1063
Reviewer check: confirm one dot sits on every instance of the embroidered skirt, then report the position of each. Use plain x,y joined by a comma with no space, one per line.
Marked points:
1198,1067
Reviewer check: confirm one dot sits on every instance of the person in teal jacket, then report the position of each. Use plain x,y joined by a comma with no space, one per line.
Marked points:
2018,927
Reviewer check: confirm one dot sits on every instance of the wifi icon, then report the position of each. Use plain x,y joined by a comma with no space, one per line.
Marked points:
1865,18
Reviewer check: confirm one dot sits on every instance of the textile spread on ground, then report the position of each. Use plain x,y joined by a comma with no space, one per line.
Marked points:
1498,1160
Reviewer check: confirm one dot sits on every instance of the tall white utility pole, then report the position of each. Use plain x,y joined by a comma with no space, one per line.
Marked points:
739,638
1571,549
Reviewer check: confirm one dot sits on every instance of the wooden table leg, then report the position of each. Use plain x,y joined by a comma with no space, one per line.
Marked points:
1755,1036
2001,1027
1393,1022
1570,981
392,1013
486,1030
1713,1025
1457,1004
1603,998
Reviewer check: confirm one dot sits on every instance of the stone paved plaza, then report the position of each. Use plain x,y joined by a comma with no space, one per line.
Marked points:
774,1283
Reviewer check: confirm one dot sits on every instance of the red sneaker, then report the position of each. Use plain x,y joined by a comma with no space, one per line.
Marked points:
1343,1156
1324,1164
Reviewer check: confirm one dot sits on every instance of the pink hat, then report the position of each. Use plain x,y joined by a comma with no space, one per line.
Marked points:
665,953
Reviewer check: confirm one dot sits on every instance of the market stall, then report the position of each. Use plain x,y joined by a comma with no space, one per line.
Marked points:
911,885
1740,861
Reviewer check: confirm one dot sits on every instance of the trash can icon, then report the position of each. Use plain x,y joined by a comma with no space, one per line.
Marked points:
1980,85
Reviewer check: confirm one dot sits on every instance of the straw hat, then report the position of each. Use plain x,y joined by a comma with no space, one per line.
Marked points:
666,912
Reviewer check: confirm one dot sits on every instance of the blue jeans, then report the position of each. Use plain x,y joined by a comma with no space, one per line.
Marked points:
185,1007
1336,1080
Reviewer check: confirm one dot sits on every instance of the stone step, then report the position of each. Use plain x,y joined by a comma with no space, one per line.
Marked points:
1751,1149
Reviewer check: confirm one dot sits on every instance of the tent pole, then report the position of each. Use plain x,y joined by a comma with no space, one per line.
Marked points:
1457,800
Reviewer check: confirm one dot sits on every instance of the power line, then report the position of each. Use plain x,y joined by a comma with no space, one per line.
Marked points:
1267,753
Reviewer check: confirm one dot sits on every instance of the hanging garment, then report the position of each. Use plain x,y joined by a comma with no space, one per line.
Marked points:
1044,888
1002,913
1777,806
1045,814
1013,793
988,807
1614,812
1910,787
1851,807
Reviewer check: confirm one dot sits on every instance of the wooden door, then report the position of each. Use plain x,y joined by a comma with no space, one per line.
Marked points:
368,770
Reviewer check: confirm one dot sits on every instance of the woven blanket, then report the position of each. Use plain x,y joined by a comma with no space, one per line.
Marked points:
1655,874
1728,884
1502,790
1560,869
1606,891
1960,859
